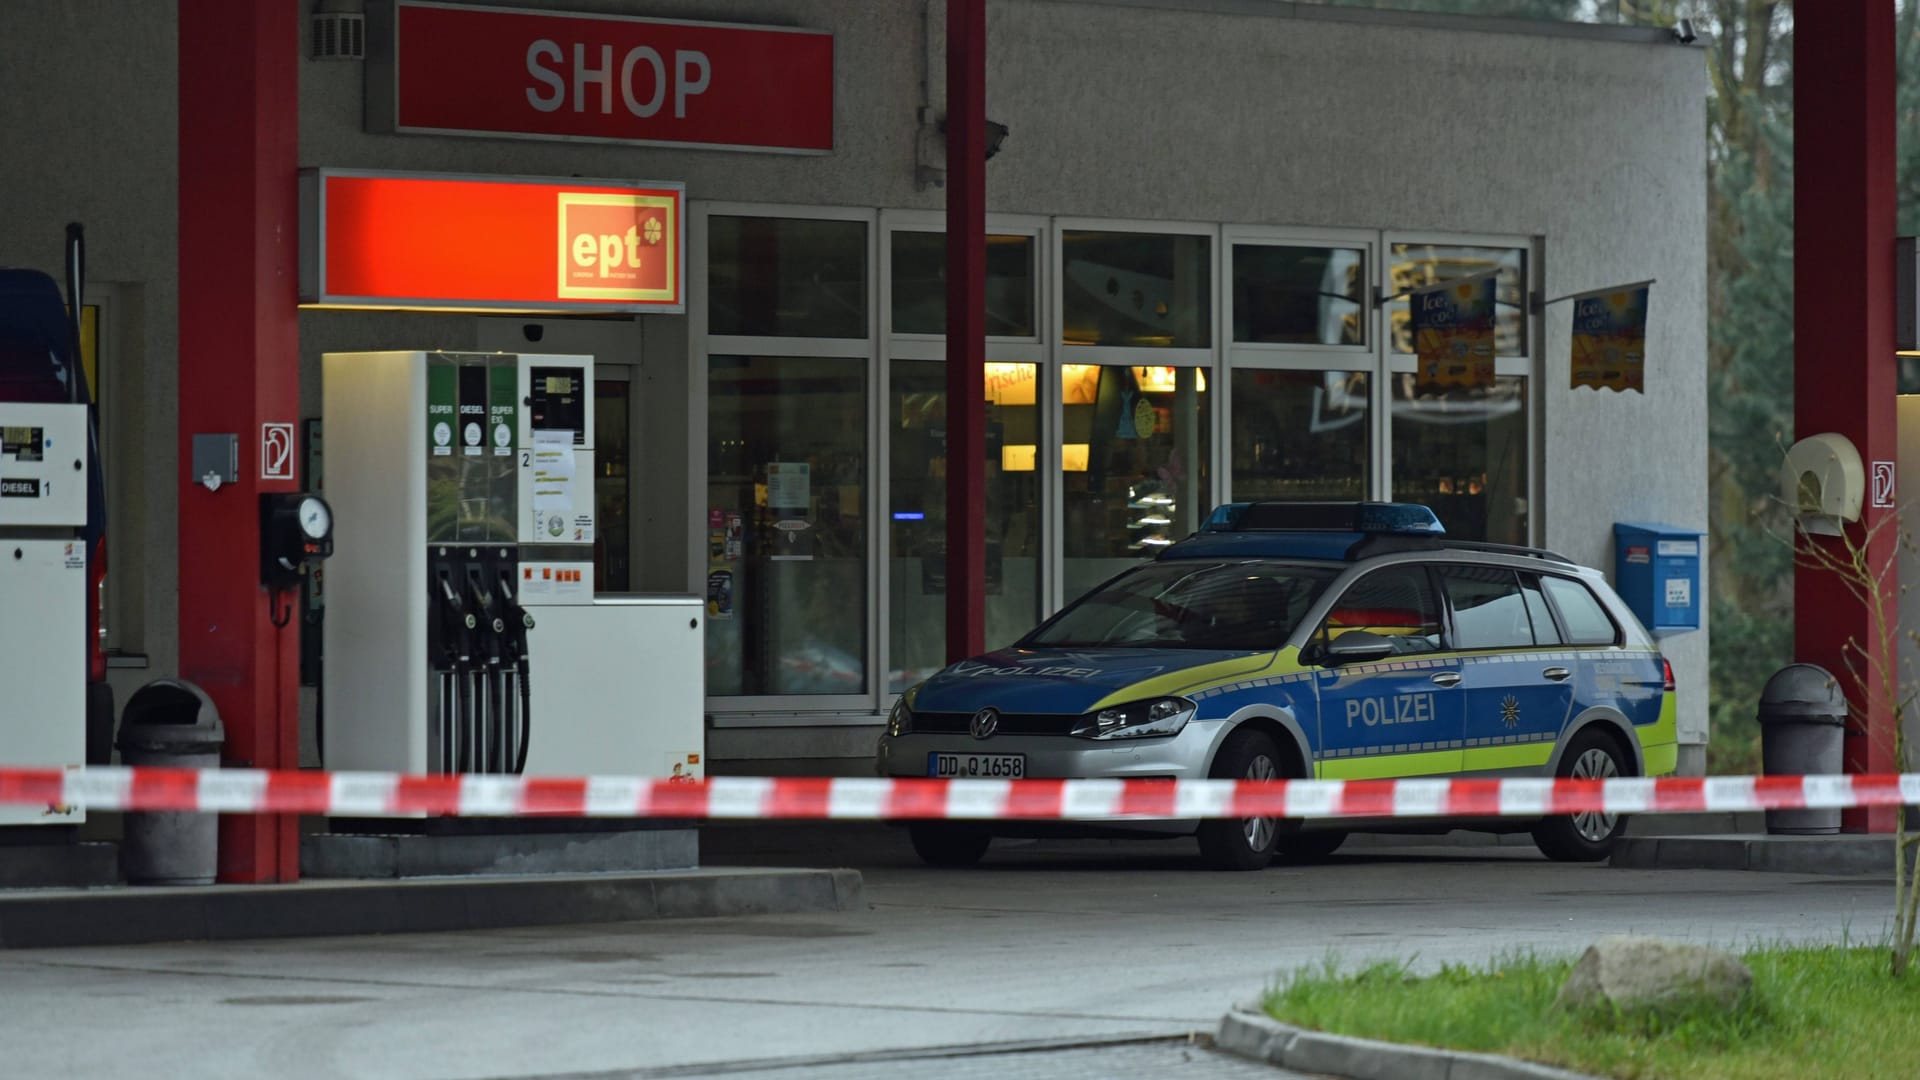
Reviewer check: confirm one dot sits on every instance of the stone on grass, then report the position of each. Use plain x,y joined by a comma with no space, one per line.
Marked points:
1641,972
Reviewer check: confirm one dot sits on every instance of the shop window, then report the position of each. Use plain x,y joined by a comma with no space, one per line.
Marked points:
1142,289
1463,452
1292,295
1414,266
1300,435
787,549
917,533
1134,454
920,284
786,277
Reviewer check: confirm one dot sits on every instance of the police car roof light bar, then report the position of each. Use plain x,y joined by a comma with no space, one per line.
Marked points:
1403,519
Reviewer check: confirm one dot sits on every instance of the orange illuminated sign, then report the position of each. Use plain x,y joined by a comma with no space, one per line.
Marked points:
421,241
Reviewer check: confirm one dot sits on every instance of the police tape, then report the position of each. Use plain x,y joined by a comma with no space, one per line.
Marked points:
366,794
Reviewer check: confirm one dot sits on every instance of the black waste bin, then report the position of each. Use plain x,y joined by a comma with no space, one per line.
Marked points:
1803,731
171,723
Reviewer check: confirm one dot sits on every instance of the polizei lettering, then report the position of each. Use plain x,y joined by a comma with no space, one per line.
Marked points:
1390,709
974,671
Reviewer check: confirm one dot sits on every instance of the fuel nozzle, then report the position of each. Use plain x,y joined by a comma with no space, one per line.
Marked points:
486,608
457,624
515,619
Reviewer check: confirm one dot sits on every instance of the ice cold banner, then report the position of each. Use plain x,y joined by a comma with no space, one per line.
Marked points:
1610,338
1453,325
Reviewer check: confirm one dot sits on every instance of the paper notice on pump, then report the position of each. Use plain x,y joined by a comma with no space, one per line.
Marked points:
552,472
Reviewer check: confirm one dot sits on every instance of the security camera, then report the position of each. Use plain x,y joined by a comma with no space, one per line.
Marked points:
996,134
534,331
1683,33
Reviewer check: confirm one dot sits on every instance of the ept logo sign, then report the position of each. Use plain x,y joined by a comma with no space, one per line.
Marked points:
618,247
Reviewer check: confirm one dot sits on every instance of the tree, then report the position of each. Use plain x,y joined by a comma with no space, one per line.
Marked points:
1846,561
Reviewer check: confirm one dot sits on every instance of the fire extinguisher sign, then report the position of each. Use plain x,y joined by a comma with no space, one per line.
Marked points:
276,451
1883,490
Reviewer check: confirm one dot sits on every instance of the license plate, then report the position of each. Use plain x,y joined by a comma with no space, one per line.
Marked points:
977,766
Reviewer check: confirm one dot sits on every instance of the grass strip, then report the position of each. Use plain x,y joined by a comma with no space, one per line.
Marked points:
1813,1013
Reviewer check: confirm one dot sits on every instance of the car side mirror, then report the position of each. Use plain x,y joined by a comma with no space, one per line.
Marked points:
1356,646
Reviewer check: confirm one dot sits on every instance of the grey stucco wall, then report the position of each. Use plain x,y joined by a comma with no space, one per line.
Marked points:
87,134
1596,147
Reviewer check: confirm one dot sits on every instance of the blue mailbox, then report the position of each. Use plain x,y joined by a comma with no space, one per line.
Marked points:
1657,572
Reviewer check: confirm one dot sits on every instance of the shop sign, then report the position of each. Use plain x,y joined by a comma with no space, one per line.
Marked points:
415,240
455,69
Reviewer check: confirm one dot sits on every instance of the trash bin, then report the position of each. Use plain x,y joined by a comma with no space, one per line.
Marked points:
174,724
1803,730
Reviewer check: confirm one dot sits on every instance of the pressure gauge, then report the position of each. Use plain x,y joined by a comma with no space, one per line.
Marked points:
316,520
296,533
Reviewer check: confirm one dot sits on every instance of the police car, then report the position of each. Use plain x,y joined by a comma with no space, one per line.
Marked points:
1287,640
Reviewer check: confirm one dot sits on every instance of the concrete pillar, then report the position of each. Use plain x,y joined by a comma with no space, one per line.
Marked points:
239,371
1844,369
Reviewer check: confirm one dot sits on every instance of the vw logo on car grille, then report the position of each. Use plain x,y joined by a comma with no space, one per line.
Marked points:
985,723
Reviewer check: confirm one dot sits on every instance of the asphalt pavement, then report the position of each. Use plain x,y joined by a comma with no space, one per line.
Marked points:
1052,959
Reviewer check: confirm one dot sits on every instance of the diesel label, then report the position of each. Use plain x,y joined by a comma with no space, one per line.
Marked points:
16,488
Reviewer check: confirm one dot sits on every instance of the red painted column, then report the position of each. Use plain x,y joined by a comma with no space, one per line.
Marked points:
239,369
966,327
1844,367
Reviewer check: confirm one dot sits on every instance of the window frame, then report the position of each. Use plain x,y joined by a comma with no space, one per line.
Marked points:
1317,641
1011,350
1528,366
787,710
1292,355
1453,623
1561,616
1053,420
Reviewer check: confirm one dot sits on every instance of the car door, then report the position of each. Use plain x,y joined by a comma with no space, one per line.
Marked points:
1398,715
1517,684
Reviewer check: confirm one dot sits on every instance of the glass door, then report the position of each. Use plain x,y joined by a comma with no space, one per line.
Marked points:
612,415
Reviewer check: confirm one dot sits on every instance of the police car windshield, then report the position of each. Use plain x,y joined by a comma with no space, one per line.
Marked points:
1240,606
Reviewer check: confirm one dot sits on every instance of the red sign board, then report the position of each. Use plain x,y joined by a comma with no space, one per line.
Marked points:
408,240
458,70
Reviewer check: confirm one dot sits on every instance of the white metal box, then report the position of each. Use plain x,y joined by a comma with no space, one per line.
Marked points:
43,465
43,638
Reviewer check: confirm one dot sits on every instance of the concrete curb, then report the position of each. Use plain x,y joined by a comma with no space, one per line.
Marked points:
1256,1035
1852,854
138,916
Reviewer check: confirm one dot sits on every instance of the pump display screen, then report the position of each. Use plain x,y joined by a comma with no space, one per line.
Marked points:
23,443
557,401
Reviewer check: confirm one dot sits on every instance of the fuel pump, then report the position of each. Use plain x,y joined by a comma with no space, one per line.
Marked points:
43,574
463,486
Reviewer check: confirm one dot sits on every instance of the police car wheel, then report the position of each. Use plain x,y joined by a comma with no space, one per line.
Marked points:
947,844
1306,847
1242,843
1588,837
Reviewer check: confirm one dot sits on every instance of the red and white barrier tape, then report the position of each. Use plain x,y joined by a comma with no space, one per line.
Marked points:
349,794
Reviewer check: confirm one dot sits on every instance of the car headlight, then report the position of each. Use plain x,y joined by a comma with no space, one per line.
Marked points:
1137,719
900,720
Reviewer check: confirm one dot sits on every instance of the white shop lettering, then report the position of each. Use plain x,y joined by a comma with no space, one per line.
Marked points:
1390,709
692,72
